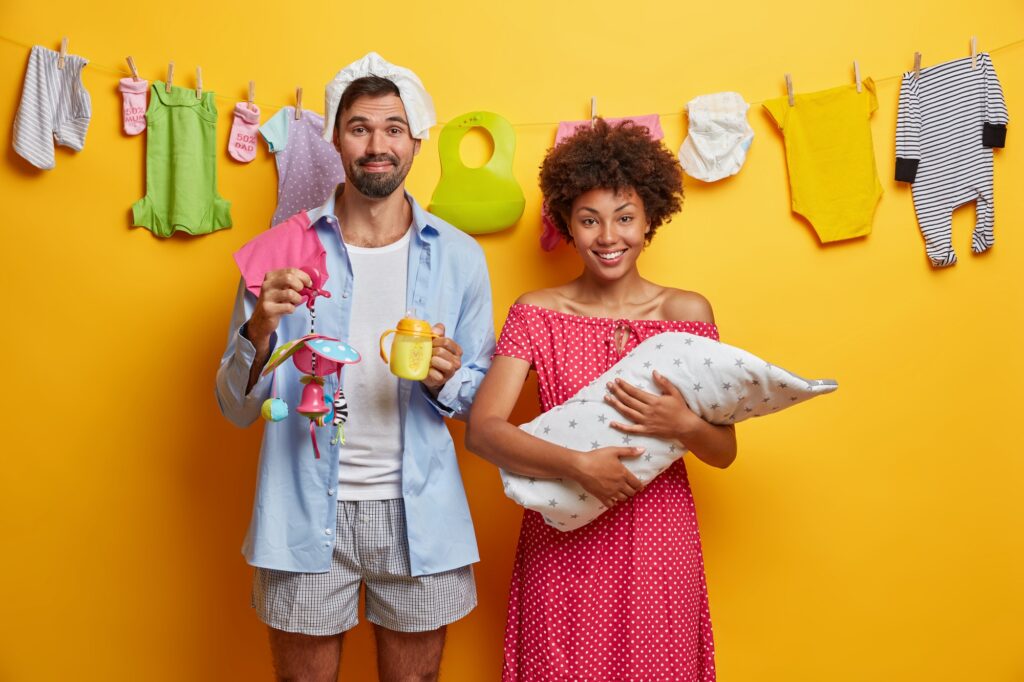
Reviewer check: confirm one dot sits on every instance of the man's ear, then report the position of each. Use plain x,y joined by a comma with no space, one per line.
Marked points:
416,148
336,138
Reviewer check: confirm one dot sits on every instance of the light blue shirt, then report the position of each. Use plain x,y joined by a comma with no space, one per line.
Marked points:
294,512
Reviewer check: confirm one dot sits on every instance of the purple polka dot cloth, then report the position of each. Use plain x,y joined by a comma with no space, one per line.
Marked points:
308,167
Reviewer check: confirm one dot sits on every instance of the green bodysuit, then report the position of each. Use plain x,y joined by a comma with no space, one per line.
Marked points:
181,165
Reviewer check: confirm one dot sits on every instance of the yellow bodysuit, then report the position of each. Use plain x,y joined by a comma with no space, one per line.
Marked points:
830,157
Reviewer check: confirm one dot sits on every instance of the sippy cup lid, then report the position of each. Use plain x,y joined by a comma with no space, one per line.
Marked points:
410,325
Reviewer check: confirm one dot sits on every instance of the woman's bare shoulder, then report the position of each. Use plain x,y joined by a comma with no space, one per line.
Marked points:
687,305
542,298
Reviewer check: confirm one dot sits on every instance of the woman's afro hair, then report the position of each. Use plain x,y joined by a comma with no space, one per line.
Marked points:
619,157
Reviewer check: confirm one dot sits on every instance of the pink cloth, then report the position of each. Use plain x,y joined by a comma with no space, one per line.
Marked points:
550,237
624,597
650,121
291,244
242,140
133,104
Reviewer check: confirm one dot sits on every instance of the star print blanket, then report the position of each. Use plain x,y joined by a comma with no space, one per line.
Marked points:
721,383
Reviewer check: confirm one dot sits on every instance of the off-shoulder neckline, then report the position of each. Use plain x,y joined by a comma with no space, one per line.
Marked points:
590,318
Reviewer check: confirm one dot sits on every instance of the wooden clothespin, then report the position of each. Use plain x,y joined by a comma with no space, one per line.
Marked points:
789,89
170,78
298,103
63,53
131,65
974,51
199,82
917,65
252,95
856,74
593,111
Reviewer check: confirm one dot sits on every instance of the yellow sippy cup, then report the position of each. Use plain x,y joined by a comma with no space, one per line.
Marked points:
411,348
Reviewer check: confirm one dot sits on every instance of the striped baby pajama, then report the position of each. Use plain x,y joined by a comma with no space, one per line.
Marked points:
950,118
55,106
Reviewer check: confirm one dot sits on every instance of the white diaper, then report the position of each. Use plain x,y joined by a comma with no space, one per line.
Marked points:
719,136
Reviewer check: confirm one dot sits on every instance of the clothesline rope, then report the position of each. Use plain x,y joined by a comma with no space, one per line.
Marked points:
121,73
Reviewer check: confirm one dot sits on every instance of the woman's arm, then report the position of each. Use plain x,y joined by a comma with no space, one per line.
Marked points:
491,436
713,444
667,415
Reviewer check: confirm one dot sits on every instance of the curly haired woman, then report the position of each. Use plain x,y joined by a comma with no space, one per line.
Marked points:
624,597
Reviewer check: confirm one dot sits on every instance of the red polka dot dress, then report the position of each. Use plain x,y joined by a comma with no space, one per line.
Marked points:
624,597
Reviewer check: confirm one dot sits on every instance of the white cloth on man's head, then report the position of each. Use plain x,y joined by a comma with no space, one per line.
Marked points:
419,106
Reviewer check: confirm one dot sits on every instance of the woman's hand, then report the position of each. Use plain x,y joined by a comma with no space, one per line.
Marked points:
602,474
662,416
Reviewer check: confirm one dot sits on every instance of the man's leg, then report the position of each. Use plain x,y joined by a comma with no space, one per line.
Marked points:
409,612
409,656
305,658
308,613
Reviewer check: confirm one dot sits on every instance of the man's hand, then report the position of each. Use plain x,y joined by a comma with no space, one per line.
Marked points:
279,295
445,360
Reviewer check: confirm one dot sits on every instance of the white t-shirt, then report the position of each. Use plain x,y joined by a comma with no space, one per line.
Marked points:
371,458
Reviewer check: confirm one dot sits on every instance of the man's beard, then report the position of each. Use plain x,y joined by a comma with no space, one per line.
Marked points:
377,185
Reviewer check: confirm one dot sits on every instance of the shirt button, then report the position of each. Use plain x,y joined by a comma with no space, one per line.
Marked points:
326,545
330,491
327,531
344,294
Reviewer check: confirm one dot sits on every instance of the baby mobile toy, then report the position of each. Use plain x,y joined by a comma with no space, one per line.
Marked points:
316,356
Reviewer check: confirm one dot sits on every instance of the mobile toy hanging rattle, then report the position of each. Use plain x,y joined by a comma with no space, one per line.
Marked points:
316,356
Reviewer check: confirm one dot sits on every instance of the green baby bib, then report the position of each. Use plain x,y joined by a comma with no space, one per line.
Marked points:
478,200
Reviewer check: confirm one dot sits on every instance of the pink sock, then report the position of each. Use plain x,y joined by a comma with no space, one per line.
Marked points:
242,141
134,104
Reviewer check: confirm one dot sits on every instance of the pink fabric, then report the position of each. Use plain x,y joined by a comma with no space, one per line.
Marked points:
242,140
550,237
650,121
291,244
624,597
133,104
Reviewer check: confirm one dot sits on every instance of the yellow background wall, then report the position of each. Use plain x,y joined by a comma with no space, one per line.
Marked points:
872,534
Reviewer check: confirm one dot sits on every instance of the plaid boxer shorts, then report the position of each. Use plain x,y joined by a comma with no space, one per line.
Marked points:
370,548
